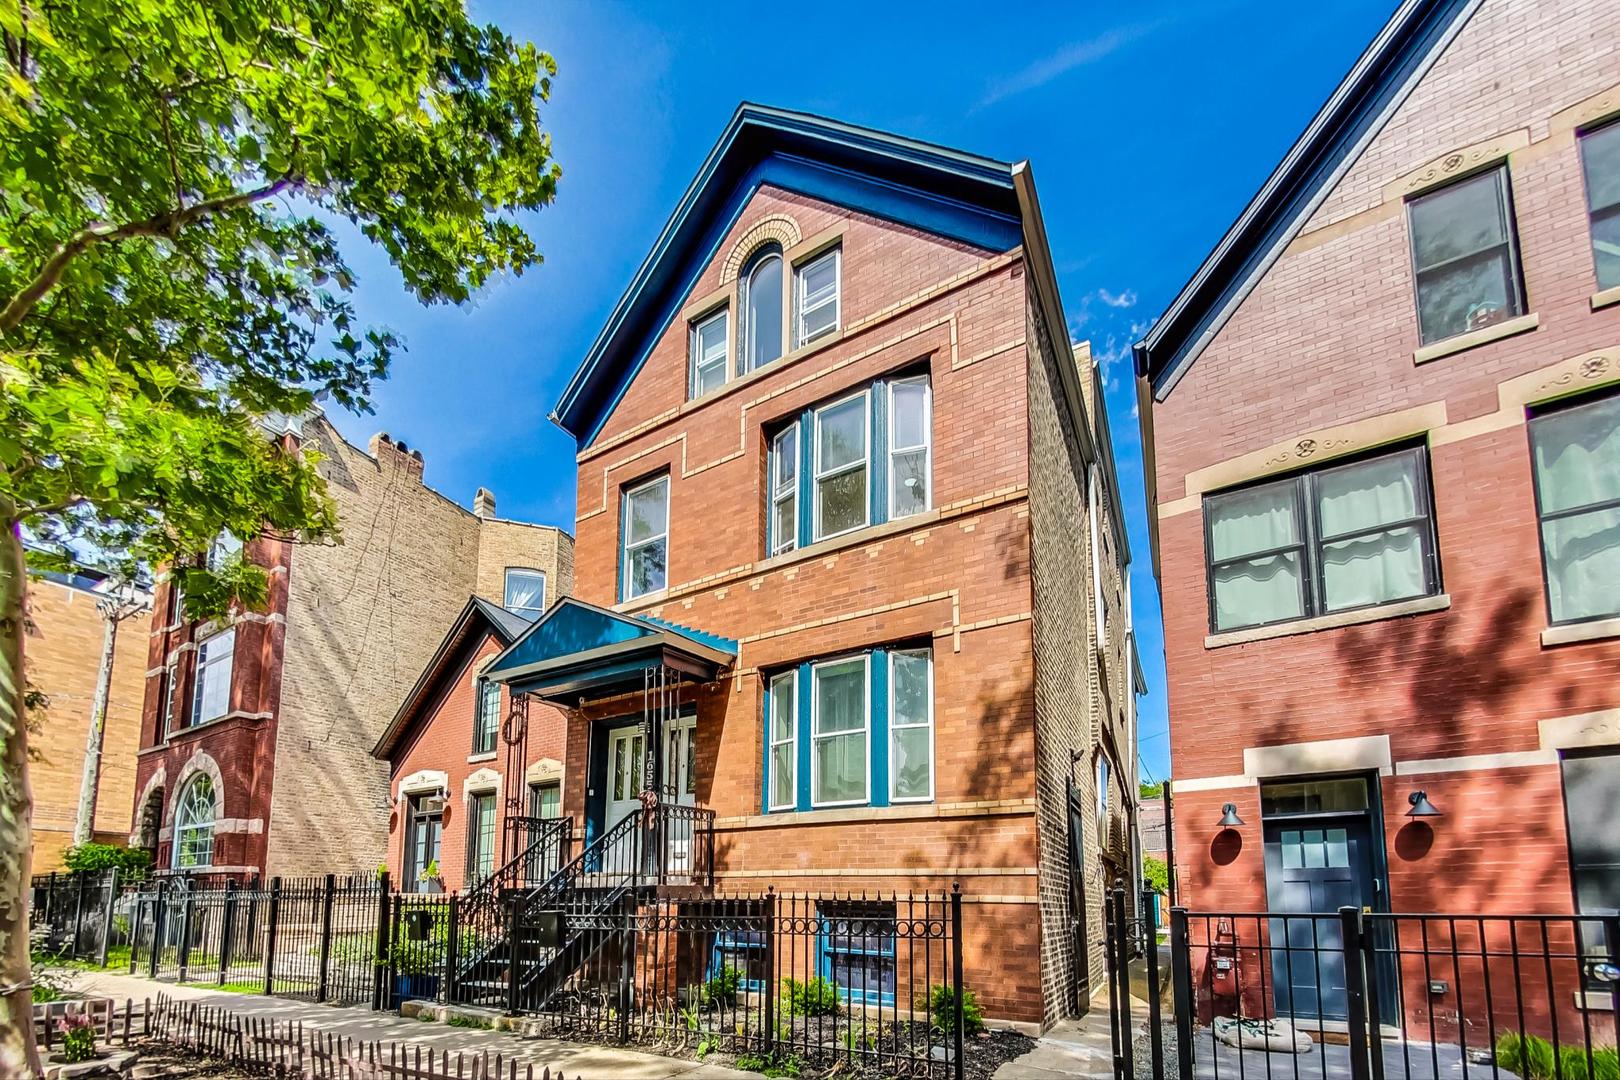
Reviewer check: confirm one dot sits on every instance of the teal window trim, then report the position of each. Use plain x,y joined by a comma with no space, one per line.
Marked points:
879,464
832,917
879,741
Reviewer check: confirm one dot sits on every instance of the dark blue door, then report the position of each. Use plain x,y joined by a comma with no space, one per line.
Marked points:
1314,866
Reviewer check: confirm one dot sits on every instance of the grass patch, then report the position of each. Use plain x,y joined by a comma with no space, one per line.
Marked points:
1534,1057
117,956
470,1022
229,987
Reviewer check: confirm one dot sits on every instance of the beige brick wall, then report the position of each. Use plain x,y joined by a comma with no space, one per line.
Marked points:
363,617
63,652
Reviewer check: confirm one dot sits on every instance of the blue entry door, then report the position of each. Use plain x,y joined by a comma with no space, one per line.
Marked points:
1314,867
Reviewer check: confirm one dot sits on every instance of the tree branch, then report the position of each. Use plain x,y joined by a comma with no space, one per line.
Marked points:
168,223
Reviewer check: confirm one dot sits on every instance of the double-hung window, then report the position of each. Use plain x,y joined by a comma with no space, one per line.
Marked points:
784,477
910,439
710,338
525,591
784,744
841,434
1465,256
761,300
911,726
488,716
840,734
481,837
816,298
224,548
1328,540
1600,156
212,697
644,560
1576,452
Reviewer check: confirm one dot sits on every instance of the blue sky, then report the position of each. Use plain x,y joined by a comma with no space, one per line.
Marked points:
1149,126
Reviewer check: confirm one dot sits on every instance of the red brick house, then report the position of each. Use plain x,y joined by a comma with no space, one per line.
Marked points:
1384,431
256,733
850,570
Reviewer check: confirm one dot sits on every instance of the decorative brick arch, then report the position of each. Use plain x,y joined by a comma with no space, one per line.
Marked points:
200,762
778,227
146,826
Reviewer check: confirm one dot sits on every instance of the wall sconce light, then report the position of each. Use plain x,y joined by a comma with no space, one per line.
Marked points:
1229,816
1421,806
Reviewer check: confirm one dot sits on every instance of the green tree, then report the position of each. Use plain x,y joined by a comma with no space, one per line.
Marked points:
1149,791
169,278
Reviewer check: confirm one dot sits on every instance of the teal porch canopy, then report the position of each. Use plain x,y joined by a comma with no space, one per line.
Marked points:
578,651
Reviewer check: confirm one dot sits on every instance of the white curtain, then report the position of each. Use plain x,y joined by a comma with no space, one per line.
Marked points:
1377,568
1264,589
1578,464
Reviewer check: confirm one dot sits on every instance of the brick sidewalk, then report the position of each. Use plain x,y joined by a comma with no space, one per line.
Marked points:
586,1060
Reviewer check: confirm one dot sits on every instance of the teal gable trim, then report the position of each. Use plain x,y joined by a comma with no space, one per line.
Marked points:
702,637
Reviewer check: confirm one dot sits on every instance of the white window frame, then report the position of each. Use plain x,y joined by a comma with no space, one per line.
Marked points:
926,446
626,548
894,726
506,587
481,689
800,337
179,830
699,361
746,295
206,664
789,678
785,493
862,462
816,735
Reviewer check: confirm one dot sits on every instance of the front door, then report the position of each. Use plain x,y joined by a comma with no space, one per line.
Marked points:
624,752
1316,863
680,787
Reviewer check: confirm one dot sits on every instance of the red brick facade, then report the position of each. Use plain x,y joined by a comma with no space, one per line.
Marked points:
1478,700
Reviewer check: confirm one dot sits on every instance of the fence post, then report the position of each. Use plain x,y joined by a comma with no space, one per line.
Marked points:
627,968
1375,1010
769,1013
78,913
512,973
1150,951
160,916
1355,992
1611,941
1181,987
270,936
135,930
379,953
1122,971
50,901
956,979
107,920
326,935
452,951
185,936
227,929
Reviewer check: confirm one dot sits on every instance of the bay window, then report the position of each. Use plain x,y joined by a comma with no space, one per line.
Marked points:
1329,540
1575,449
839,732
841,466
784,522
644,557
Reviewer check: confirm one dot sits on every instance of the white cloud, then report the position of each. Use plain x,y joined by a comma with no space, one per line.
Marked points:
1073,55
1123,299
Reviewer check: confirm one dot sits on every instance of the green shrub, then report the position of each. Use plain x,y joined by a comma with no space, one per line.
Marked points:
1534,1057
133,864
1156,873
940,1002
817,997
721,991
469,1022
78,1038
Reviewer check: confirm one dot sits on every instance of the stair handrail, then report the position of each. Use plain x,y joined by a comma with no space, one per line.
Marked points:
589,860
485,894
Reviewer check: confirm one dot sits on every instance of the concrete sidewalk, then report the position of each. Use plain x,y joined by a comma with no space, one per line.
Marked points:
586,1060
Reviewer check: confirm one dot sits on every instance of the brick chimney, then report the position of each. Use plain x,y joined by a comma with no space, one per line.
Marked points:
484,503
389,452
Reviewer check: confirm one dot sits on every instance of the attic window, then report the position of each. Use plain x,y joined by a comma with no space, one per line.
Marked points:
761,302
1465,256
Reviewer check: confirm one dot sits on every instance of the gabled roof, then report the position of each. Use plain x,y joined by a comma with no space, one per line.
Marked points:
577,647
1381,80
477,618
944,191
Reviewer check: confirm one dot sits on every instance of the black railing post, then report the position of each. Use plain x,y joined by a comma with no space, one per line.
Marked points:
1611,942
227,930
1355,992
627,966
1123,978
1375,1009
78,912
379,952
957,1063
452,951
185,936
1150,949
1181,988
512,972
50,903
107,919
326,935
160,912
135,930
769,1013
270,937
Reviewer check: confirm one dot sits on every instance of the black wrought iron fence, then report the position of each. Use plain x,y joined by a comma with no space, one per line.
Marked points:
77,915
1368,995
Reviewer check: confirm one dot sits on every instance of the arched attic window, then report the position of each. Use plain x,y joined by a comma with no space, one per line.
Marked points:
761,301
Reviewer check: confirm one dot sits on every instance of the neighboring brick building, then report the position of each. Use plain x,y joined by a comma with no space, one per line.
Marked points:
64,645
851,574
293,698
1384,437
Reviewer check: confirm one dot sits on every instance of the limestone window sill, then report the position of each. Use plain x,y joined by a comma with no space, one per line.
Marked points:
1594,1000
1596,630
1420,606
488,755
1475,338
1605,298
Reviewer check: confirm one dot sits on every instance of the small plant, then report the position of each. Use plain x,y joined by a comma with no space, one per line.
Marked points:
1534,1057
78,1038
49,985
815,997
470,1022
940,1002
857,1039
430,872
771,1064
721,991
707,1045
132,864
